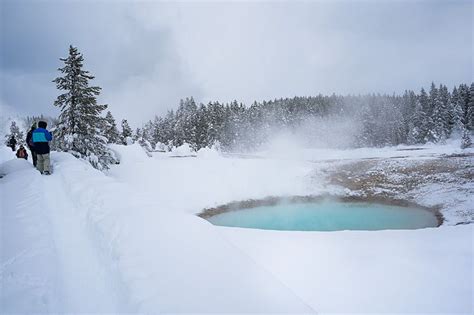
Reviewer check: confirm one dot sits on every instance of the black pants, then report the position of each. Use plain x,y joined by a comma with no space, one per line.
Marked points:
34,156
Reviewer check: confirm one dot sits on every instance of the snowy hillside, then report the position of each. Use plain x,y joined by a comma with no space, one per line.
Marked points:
130,241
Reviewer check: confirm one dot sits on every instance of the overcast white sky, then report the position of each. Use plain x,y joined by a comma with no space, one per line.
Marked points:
148,55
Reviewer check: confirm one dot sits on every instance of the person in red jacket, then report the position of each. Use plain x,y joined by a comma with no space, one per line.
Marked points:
21,153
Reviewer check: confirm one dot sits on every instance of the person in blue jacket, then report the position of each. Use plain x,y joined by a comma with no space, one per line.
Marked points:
41,138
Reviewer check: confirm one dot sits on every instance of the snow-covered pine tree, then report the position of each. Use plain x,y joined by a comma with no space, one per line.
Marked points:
137,135
201,127
178,125
215,122
470,110
395,122
452,112
408,104
371,133
457,114
257,130
440,114
416,133
466,141
464,97
185,123
16,133
165,132
126,135
189,122
429,108
233,127
147,133
79,127
249,137
227,137
110,129
157,134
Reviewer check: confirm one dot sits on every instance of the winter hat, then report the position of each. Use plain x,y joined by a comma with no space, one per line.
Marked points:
42,124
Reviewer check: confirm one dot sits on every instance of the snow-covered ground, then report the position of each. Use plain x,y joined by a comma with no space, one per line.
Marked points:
129,240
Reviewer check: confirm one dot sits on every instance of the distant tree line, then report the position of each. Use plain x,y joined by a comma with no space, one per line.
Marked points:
383,120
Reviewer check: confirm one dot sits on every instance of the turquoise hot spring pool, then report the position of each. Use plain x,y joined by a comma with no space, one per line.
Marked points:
327,216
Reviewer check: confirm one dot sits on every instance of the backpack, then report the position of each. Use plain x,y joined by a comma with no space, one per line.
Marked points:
21,153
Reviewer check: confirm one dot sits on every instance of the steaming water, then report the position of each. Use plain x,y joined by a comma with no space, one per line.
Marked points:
327,216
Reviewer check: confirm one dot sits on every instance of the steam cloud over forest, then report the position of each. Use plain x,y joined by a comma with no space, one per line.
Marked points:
320,121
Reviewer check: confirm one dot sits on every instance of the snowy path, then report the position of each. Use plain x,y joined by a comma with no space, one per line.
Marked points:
84,275
28,279
48,261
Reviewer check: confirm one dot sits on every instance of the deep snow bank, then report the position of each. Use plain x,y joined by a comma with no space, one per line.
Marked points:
28,264
14,165
183,150
6,154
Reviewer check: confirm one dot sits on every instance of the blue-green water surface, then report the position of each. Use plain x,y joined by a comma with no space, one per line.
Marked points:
327,216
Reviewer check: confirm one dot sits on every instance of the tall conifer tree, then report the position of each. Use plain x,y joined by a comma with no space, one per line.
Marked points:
79,127
111,131
470,109
126,132
16,133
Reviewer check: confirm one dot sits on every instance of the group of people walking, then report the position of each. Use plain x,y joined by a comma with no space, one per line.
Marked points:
37,140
